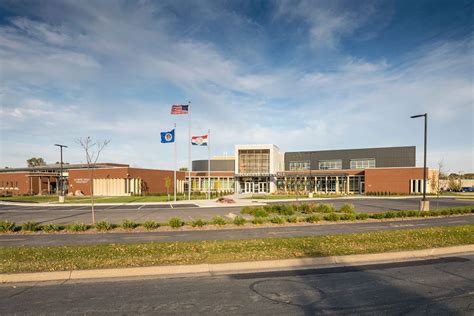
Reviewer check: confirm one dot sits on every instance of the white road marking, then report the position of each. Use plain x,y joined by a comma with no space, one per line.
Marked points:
13,239
455,222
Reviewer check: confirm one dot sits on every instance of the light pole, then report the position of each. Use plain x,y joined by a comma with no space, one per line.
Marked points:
424,204
61,184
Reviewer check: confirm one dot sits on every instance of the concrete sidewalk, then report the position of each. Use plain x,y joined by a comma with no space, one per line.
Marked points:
238,267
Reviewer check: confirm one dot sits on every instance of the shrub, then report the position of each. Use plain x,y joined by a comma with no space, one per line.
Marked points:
282,209
277,220
377,215
218,220
30,226
6,226
390,215
151,225
362,216
198,223
77,227
332,217
413,213
52,228
176,222
348,217
304,208
247,210
103,226
347,208
255,211
313,218
258,221
325,208
292,219
260,213
129,224
403,214
239,220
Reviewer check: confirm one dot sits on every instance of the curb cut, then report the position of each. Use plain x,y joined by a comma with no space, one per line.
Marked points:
236,267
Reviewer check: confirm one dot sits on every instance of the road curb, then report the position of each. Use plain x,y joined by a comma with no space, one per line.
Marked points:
235,267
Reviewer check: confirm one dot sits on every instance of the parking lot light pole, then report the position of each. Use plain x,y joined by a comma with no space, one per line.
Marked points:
424,204
61,184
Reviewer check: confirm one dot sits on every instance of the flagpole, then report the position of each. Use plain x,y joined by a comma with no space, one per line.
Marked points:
189,151
209,163
174,173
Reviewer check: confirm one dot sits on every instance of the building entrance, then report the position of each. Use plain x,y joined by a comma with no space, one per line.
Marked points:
255,187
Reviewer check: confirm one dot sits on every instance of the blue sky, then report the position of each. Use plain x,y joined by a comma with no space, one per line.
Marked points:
304,75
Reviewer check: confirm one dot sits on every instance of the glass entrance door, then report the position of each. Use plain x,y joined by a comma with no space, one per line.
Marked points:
262,187
248,187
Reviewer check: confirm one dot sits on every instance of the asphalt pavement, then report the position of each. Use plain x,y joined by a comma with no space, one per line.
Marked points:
18,240
441,286
66,214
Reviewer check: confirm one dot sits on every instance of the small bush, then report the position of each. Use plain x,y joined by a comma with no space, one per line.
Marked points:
218,220
77,227
313,218
52,228
6,226
277,220
30,226
103,226
377,215
247,210
413,213
331,217
362,216
128,224
348,217
304,208
390,215
260,213
403,214
282,209
176,222
151,225
198,223
347,208
258,221
292,219
239,220
325,208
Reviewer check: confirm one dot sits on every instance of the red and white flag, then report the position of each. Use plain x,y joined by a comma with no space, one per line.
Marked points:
199,140
179,109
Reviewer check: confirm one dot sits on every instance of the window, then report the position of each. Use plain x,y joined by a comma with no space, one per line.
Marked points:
299,165
362,163
254,161
330,164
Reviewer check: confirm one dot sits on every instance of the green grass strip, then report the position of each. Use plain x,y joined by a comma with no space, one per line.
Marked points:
56,258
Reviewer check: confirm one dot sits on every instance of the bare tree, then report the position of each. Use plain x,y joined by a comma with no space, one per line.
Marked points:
92,150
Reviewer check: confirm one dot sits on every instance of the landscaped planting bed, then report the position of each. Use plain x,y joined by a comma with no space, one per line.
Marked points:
275,214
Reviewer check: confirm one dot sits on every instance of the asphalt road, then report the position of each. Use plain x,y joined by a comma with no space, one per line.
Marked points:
442,286
66,214
18,240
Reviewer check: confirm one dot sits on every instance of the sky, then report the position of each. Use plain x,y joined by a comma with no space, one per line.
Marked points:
304,75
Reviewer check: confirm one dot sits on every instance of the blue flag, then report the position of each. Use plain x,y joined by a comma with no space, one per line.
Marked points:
167,137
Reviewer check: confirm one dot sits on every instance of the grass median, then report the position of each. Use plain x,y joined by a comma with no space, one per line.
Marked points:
58,258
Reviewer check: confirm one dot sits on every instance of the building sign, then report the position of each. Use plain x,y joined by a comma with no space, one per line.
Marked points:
81,180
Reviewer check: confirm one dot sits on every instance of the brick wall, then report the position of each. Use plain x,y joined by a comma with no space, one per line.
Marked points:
395,180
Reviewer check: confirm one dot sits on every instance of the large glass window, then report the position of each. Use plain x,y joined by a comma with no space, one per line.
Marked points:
330,164
299,165
362,163
254,161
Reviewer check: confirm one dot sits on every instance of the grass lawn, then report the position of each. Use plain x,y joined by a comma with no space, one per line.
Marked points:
57,258
98,199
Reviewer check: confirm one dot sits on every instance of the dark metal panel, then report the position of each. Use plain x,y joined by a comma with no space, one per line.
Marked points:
384,157
216,165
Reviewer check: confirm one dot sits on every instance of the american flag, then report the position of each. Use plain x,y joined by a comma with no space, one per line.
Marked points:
179,109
